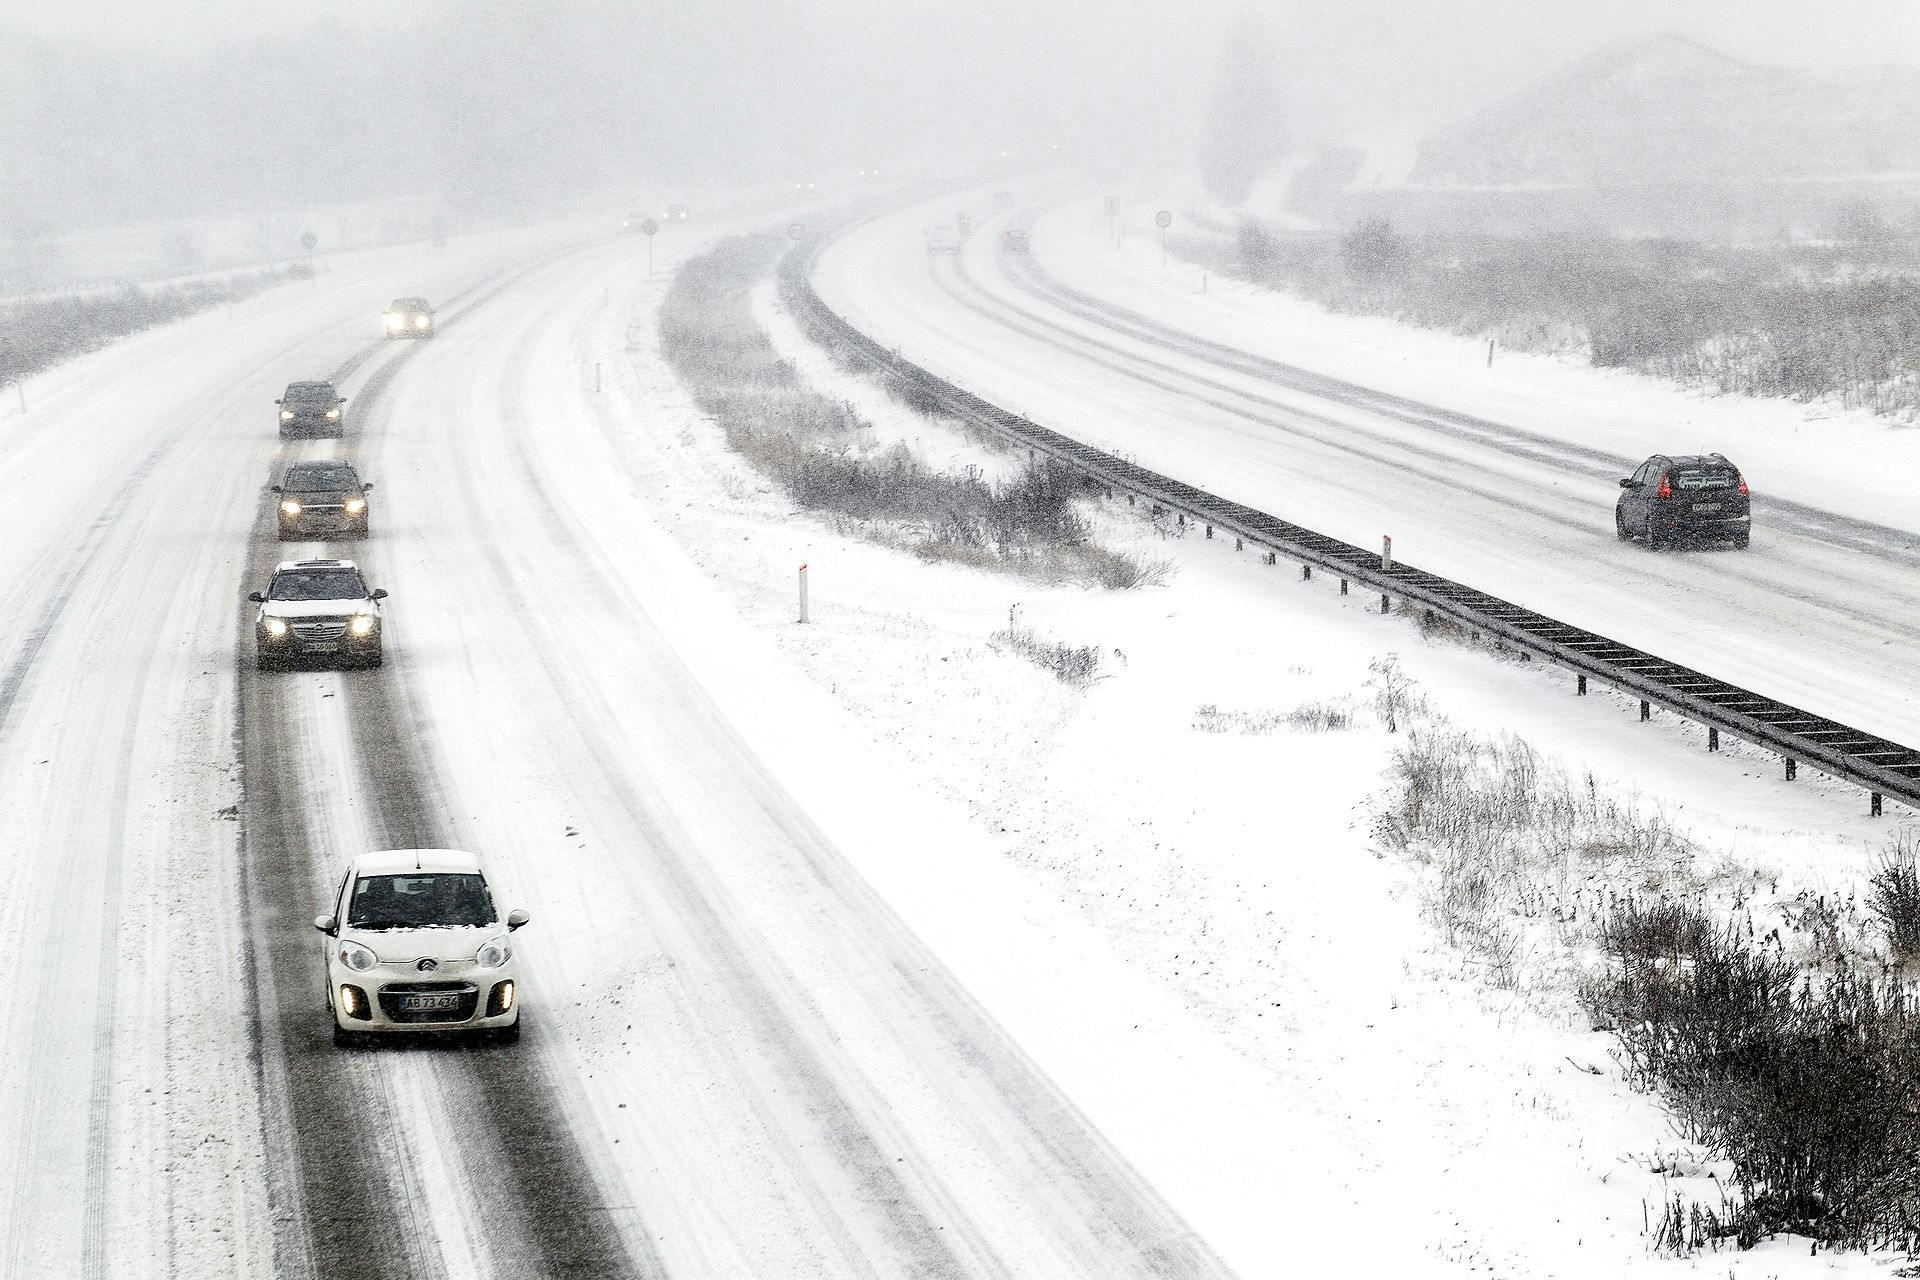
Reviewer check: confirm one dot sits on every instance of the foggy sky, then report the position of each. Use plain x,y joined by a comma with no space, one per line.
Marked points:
575,90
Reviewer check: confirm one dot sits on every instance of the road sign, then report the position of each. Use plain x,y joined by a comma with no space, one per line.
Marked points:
649,226
1163,219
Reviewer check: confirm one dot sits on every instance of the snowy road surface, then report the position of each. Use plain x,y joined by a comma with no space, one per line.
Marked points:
1105,345
737,1060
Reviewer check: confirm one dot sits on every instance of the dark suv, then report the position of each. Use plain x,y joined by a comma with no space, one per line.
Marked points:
1689,497
317,609
409,318
318,499
312,408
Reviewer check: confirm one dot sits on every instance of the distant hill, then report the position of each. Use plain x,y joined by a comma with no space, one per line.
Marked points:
1665,109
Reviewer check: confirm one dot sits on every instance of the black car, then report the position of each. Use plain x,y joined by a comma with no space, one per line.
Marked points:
409,318
317,609
312,408
1689,497
321,499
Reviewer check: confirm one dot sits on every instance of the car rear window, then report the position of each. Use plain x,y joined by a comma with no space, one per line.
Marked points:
1705,478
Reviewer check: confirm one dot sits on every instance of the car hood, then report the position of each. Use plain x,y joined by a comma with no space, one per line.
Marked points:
408,946
315,608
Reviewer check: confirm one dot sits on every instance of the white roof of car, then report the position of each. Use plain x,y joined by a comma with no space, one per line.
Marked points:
381,862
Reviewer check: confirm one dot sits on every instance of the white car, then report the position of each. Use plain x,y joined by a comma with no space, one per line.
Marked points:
317,609
414,943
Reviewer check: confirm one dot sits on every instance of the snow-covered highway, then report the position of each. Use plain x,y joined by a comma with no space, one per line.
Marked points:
1510,494
738,1061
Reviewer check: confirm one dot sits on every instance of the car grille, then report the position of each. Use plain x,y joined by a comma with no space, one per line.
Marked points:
391,993
321,629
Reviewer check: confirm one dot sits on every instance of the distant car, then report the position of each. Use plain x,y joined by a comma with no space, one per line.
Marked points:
312,408
409,318
675,213
318,609
414,942
1015,240
634,222
1684,497
323,498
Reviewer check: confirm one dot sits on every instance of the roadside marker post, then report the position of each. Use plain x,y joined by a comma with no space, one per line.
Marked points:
803,593
1163,220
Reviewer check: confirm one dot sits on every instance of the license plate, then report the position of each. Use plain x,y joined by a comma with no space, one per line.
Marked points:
428,1004
323,646
1706,506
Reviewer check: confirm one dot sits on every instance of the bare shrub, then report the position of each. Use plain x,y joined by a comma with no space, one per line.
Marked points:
1806,1084
1894,895
1309,717
1397,698
1077,666
811,445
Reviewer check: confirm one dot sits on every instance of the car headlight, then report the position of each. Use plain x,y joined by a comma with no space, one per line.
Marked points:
420,322
291,507
274,627
334,413
286,415
395,322
362,624
356,505
496,953
356,957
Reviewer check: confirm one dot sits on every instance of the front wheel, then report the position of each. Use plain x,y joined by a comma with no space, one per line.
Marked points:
509,1035
343,1038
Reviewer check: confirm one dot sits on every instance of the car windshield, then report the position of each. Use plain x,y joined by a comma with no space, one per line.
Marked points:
317,584
321,480
435,900
307,391
409,304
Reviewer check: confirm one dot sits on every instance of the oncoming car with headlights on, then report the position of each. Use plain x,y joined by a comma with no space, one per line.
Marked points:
409,318
414,942
321,498
312,408
317,609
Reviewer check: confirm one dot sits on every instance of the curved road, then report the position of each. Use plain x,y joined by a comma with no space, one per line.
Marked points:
1823,611
738,1062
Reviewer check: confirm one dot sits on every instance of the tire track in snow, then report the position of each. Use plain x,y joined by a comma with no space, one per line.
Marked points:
535,1222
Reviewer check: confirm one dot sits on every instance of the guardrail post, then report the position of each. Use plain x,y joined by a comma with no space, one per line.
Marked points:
1713,738
1386,552
1306,572
1386,604
1580,686
1793,768
1873,804
1209,532
1646,709
1239,545
1343,586
1273,557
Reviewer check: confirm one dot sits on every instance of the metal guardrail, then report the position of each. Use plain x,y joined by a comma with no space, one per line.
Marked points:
1881,767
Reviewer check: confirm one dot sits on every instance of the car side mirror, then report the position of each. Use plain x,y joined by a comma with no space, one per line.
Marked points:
1627,483
277,402
328,925
256,597
378,593
366,486
274,488
341,400
517,918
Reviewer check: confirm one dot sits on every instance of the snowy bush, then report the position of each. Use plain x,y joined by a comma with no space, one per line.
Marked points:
1072,665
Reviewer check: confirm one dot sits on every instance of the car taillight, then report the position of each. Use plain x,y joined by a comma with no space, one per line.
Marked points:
1666,489
1743,486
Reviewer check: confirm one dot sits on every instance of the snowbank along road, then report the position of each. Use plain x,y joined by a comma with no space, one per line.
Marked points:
1069,337
737,1060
